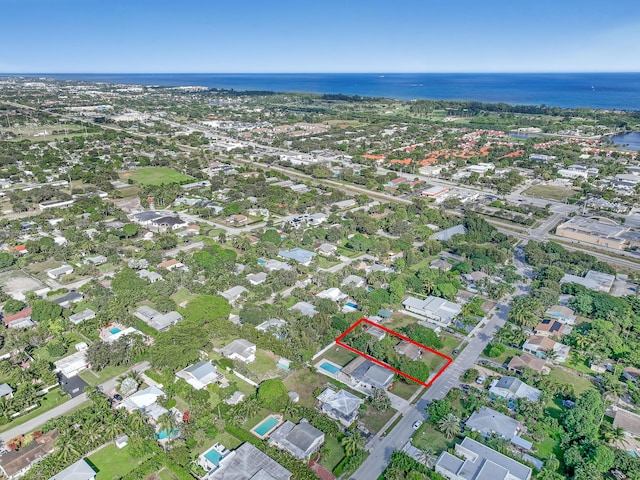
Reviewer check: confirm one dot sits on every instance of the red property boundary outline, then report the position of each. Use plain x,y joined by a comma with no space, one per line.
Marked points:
385,365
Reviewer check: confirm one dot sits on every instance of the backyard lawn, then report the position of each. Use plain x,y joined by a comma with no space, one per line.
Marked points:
339,355
334,451
156,176
112,462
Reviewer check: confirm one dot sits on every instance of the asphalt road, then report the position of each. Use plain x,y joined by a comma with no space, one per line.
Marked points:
66,407
380,453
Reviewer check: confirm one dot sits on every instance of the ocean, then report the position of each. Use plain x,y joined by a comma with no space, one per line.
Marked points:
620,91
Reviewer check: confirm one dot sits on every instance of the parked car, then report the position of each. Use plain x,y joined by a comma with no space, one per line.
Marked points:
480,379
117,397
416,425
455,352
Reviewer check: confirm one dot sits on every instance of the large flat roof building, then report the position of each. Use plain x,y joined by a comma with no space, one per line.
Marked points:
598,231
437,309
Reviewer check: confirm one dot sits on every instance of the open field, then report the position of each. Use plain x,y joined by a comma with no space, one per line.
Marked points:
155,176
580,384
428,437
16,283
552,193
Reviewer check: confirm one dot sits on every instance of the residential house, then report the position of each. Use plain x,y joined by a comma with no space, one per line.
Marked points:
436,309
272,325
146,401
447,234
66,300
561,313
375,332
517,363
489,422
157,320
80,470
327,249
168,223
353,281
409,350
238,219
97,260
475,461
152,277
171,264
256,278
544,347
16,463
300,255
332,294
240,349
551,328
6,391
21,319
366,375
201,374
244,463
58,273
628,421
305,308
512,387
236,398
301,440
234,293
275,265
341,405
79,317
440,264
73,364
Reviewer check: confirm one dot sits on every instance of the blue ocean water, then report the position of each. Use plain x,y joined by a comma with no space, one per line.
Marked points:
568,90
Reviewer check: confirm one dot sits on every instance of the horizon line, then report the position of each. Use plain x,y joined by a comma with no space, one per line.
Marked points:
532,72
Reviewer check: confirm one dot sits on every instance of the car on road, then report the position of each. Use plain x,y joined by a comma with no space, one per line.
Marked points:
416,424
117,397
480,379
455,352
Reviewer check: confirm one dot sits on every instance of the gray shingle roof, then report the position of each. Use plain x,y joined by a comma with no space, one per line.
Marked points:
78,471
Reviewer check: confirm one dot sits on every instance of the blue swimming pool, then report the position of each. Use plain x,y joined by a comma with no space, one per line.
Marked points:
266,425
329,367
163,434
262,261
352,305
114,330
214,457
632,453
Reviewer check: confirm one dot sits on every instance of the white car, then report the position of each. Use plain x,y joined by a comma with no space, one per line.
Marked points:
417,424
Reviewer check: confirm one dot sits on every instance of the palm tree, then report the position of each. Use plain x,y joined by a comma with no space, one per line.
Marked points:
289,409
166,423
251,407
449,425
352,443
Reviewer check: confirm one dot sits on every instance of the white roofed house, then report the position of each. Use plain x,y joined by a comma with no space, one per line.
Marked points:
512,387
354,281
145,401
71,365
436,309
240,349
80,470
201,374
234,293
256,278
332,294
489,422
6,391
244,463
341,405
58,273
79,317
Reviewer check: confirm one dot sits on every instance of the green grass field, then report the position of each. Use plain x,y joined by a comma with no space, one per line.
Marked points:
427,436
113,463
580,384
374,420
335,453
552,193
155,176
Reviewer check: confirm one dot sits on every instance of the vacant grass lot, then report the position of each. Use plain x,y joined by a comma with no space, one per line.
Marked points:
114,463
375,420
429,437
552,193
563,377
155,176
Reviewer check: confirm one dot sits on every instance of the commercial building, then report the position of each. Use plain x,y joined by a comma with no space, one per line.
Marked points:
596,281
599,231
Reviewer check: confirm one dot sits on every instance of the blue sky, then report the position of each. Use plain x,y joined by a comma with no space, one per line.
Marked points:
240,36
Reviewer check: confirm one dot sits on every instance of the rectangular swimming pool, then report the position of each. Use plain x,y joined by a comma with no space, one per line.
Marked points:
329,367
114,330
352,305
213,456
262,261
266,425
